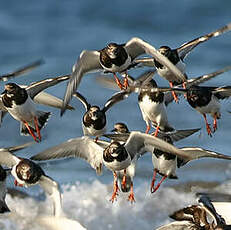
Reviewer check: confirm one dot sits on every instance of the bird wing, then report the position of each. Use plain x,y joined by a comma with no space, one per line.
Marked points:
207,204
149,49
50,100
179,225
36,87
52,188
206,77
117,136
83,147
88,61
178,135
222,92
83,100
117,97
184,49
196,153
139,143
22,70
7,158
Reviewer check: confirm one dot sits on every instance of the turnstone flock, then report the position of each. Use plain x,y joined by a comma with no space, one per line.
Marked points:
121,153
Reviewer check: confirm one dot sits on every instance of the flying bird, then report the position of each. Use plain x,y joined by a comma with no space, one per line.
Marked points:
113,58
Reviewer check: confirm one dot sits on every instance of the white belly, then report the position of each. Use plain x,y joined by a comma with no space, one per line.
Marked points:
119,69
168,75
24,112
153,112
90,131
166,167
212,108
117,166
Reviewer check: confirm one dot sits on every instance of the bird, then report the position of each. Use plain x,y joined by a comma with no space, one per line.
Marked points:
197,217
177,56
4,173
113,58
151,100
206,100
127,179
165,156
19,102
21,70
94,120
116,156
28,173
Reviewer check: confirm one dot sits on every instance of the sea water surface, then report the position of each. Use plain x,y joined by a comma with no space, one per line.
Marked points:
58,31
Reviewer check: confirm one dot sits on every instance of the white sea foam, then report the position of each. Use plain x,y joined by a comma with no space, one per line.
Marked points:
89,205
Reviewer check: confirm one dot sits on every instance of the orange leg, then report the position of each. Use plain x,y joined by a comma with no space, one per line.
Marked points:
37,127
124,179
153,180
156,132
118,81
147,129
184,87
96,139
173,93
131,196
209,131
214,123
17,184
125,83
115,188
30,131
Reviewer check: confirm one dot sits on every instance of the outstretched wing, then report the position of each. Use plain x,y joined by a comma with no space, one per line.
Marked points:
187,47
51,187
88,61
83,147
36,87
22,70
83,100
117,97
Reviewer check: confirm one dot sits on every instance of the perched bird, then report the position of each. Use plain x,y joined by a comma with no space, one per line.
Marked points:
197,217
113,58
166,157
127,178
19,102
177,56
4,173
206,101
22,70
94,120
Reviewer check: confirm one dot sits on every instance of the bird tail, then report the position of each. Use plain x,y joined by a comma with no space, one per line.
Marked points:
42,120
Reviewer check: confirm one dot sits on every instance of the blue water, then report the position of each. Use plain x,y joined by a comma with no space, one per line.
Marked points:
58,31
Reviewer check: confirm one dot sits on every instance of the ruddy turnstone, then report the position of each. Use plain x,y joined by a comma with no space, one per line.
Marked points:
28,173
127,177
202,216
4,173
206,101
94,120
177,55
166,157
114,156
22,70
151,99
19,102
113,58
